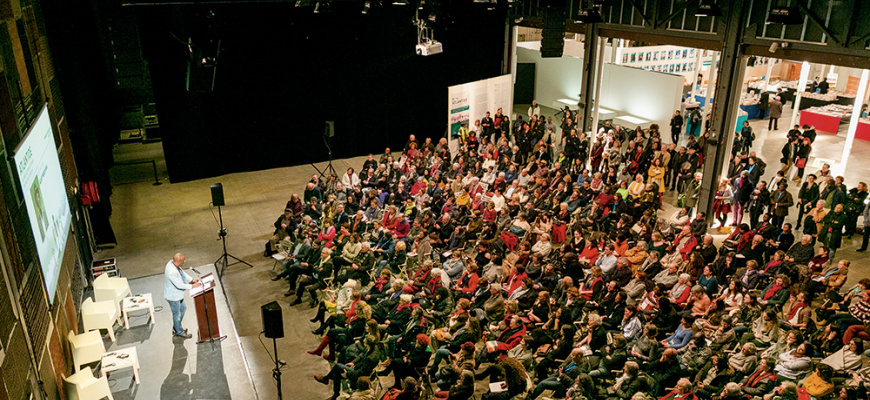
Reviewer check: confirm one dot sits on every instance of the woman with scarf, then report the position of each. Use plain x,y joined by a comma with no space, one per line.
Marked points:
776,293
800,313
773,268
381,287
762,380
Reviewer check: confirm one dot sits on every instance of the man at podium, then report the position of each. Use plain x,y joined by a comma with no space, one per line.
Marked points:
177,281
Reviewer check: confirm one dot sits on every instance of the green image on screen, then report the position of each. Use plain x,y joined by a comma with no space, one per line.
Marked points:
39,206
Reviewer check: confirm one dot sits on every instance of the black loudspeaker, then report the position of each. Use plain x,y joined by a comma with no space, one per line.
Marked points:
329,129
553,34
217,194
273,321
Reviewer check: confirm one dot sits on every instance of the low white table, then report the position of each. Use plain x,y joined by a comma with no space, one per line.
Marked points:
118,359
136,303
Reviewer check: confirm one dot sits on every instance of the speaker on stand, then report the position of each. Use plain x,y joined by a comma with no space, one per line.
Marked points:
273,328
217,199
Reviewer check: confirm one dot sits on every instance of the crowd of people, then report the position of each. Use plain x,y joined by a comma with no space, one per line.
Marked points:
540,263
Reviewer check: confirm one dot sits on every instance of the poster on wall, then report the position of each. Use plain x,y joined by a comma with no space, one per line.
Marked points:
471,101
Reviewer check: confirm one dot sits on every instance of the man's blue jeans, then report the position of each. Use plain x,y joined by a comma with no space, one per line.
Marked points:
178,308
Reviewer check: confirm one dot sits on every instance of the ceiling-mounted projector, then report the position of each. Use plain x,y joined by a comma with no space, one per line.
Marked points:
429,48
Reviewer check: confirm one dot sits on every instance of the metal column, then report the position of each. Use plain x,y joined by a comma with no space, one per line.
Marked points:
587,88
724,118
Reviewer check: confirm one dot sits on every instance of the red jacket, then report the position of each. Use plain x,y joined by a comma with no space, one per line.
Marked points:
507,343
688,247
472,282
515,281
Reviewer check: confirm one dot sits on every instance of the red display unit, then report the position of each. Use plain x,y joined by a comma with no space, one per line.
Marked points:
822,123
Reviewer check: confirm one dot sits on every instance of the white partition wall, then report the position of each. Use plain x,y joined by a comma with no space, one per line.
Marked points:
555,78
648,95
470,101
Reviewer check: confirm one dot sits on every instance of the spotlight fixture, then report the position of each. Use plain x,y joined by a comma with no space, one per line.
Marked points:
708,9
773,47
588,16
366,7
426,43
785,16
317,8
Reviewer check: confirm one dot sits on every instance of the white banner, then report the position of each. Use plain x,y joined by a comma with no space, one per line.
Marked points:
470,101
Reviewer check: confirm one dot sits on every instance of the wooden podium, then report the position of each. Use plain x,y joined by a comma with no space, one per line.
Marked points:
206,311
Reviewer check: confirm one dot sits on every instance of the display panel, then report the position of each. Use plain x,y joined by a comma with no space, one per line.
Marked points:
45,197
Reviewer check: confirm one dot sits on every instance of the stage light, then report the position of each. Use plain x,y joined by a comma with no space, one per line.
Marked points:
588,16
400,2
421,5
785,16
317,8
366,7
773,47
433,18
708,9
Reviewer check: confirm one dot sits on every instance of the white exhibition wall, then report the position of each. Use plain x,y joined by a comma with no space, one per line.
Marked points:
470,101
650,95
555,78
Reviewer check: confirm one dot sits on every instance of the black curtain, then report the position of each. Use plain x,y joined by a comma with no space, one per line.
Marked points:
283,71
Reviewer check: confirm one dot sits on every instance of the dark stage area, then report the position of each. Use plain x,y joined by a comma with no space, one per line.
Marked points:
282,71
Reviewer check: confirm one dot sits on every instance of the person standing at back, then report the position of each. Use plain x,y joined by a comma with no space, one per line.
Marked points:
177,281
676,126
775,113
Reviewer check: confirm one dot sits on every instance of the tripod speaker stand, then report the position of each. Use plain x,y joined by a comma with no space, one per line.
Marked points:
217,197
329,171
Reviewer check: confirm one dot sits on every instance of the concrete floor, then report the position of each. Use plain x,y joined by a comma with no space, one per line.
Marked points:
154,222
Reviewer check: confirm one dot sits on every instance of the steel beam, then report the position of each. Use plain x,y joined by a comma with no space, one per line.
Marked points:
809,13
587,87
728,91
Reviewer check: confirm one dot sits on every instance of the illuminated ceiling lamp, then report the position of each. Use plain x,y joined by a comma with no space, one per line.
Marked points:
785,16
708,9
